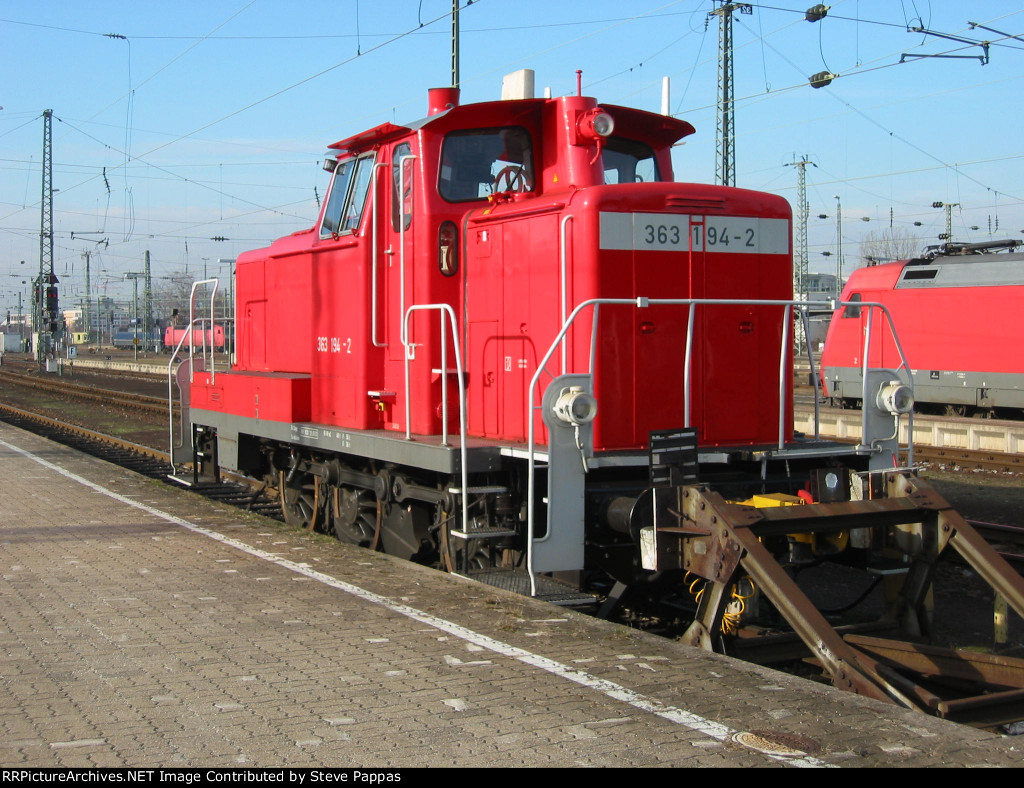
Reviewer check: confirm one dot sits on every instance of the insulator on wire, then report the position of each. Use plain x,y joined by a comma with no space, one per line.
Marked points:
821,79
817,12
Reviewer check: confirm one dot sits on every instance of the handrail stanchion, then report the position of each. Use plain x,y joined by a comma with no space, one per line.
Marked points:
691,313
563,263
865,366
445,309
170,400
814,373
189,335
787,316
373,254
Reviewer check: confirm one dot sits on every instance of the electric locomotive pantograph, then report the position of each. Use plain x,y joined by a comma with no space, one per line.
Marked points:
519,350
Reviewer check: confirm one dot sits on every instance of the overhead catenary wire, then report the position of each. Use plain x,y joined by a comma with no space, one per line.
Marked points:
658,50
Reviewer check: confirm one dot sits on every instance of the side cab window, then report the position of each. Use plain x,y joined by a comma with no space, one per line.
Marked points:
347,199
401,185
851,310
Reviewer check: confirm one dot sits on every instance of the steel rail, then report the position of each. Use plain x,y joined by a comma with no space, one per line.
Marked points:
104,396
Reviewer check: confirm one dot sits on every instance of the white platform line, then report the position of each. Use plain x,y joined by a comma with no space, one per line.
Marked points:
610,689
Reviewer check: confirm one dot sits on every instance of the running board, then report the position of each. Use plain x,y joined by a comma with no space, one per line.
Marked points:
518,581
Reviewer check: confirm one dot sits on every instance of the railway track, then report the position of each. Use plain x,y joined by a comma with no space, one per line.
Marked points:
238,489
152,463
63,388
970,459
156,463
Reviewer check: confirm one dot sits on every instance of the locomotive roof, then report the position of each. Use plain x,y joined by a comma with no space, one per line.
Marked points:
661,130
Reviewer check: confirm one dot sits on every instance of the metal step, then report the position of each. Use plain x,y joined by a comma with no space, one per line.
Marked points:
518,582
483,489
482,533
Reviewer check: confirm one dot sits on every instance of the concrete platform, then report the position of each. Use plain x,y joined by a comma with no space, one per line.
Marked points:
950,432
141,626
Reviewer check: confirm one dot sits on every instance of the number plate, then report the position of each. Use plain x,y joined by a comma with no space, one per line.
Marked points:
681,233
658,231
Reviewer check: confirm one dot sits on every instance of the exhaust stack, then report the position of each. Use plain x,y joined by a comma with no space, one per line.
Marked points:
441,99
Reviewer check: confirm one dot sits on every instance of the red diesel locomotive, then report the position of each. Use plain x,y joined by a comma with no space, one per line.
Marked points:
496,309
467,239
953,307
517,349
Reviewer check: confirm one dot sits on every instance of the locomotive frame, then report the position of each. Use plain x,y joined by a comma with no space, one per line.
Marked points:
598,325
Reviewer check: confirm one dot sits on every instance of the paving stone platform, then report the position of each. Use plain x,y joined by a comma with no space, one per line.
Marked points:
142,626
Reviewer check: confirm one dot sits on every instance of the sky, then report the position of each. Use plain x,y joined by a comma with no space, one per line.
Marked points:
178,123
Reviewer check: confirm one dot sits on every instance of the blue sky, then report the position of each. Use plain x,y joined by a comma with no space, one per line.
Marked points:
210,119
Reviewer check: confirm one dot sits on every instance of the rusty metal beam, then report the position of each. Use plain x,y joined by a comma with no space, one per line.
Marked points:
848,669
993,670
956,532
995,708
732,532
714,536
704,631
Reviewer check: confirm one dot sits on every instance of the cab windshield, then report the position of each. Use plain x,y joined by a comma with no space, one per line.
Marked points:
348,196
629,161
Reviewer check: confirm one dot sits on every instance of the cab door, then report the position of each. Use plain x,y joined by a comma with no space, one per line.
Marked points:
396,266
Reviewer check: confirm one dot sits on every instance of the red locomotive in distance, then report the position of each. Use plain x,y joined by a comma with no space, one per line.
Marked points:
210,337
948,305
514,346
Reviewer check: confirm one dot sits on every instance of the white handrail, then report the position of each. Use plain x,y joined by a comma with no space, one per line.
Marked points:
563,262
691,304
444,310
374,241
401,242
189,335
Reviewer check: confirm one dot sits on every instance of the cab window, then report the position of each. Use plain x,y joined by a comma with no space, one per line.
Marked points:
401,185
852,310
347,199
476,164
629,161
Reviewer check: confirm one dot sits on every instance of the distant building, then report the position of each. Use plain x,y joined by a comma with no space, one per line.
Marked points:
821,287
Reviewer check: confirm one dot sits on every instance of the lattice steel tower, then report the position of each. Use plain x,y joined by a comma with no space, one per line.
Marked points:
803,212
46,290
725,133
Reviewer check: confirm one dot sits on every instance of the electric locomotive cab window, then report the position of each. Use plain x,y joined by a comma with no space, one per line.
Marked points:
347,199
629,161
476,164
851,310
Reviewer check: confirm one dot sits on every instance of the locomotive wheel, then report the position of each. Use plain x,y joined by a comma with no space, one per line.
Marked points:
299,502
355,515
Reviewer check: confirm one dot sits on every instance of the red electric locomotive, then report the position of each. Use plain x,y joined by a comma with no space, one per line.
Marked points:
953,307
519,350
